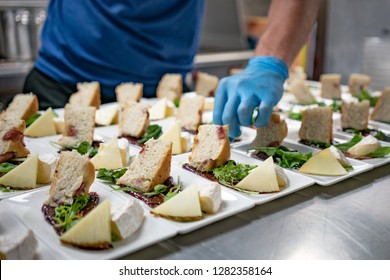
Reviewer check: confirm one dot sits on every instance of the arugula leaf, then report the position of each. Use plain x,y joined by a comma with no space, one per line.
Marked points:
6,167
380,153
294,115
174,190
336,105
32,119
66,216
153,131
348,168
345,146
365,95
284,157
231,173
110,176
86,148
158,189
176,102
6,189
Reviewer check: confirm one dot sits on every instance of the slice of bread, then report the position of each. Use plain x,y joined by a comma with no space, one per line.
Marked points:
129,91
301,92
170,86
88,94
381,111
12,138
211,147
317,125
23,106
190,112
134,119
330,86
151,167
206,84
355,114
272,134
79,125
358,83
73,176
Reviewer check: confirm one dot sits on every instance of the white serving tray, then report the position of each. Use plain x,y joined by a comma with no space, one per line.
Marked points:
27,208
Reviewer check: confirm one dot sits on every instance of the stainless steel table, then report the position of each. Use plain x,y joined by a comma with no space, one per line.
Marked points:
348,220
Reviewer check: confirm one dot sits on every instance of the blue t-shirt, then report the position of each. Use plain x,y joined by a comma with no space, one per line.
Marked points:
119,41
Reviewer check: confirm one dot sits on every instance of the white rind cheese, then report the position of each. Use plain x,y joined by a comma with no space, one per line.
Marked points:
126,218
339,156
46,167
209,196
16,241
367,145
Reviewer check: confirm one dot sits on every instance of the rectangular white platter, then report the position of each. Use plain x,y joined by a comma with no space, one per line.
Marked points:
232,203
340,137
358,166
27,208
295,181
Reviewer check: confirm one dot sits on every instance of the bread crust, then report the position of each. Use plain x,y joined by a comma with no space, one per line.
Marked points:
16,147
315,119
381,110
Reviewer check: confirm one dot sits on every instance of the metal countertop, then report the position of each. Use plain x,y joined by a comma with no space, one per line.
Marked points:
348,220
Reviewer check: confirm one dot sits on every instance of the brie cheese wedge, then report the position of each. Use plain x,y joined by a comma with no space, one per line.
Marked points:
126,218
173,134
209,196
339,156
46,167
367,145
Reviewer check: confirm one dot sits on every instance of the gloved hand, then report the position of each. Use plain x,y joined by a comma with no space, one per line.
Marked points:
259,85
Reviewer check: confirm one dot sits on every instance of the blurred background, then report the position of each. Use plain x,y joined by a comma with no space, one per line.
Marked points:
351,36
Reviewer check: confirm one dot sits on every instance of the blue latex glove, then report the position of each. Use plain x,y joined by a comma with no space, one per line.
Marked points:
259,85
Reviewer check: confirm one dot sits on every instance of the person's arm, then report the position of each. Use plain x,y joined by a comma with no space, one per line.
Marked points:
289,24
261,83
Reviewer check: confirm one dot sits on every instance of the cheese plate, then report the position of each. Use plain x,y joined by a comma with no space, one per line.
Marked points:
27,208
295,181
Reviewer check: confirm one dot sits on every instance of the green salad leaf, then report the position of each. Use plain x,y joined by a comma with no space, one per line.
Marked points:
6,167
380,153
66,216
32,119
153,131
365,95
174,190
294,115
336,105
284,156
345,146
6,189
231,173
86,148
109,175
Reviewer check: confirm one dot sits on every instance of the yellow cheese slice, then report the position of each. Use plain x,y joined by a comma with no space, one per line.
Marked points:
43,126
323,163
44,172
183,207
262,179
94,230
108,157
107,115
59,123
159,110
173,134
24,176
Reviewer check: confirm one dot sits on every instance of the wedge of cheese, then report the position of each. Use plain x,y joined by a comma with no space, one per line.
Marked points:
126,218
92,231
173,134
24,176
262,179
43,126
108,156
323,163
209,196
46,167
107,115
59,123
163,108
183,207
339,156
365,146
124,147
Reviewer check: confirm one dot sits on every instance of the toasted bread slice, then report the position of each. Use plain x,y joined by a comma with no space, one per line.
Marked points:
23,106
317,125
206,84
330,86
355,114
134,119
170,86
129,91
381,111
272,134
88,94
12,138
190,112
